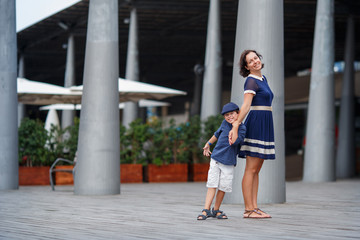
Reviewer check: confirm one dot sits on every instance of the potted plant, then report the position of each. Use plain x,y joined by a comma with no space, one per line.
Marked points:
131,151
166,162
33,156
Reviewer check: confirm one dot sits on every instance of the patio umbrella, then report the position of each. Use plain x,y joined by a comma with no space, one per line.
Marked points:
142,103
130,90
39,93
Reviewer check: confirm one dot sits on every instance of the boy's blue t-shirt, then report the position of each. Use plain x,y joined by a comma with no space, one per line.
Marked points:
223,151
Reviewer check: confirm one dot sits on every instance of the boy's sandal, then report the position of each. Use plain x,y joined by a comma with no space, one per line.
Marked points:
262,212
222,215
204,217
248,214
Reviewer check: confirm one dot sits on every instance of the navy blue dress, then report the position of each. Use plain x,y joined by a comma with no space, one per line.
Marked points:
259,138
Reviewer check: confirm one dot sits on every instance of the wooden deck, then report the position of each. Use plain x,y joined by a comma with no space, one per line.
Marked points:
168,211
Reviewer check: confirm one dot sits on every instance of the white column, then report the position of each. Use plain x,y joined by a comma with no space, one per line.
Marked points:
98,164
21,73
319,163
67,118
130,112
195,105
9,163
211,91
264,32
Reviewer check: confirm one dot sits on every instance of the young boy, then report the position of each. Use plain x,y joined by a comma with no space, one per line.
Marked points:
222,163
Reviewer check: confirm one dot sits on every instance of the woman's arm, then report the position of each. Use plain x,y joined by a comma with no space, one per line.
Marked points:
245,108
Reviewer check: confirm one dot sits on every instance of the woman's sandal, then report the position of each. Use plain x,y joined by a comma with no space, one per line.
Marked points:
222,215
204,217
263,213
248,214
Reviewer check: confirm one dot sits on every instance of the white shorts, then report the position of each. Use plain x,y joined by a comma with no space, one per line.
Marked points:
220,176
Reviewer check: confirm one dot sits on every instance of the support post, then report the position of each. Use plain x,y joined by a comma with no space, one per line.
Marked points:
9,163
345,157
130,112
211,91
267,39
319,163
98,164
21,74
67,118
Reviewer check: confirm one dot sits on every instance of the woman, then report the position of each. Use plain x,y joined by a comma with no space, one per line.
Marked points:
259,139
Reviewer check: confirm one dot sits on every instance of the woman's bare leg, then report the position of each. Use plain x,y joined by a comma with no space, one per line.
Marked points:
256,181
250,183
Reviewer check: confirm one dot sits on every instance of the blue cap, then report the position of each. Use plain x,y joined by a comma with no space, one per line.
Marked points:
229,107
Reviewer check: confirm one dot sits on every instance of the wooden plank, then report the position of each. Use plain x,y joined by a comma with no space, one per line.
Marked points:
168,211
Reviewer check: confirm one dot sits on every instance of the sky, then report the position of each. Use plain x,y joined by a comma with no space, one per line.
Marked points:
29,12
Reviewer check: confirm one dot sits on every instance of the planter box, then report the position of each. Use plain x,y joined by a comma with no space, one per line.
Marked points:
166,173
198,172
64,178
34,176
131,173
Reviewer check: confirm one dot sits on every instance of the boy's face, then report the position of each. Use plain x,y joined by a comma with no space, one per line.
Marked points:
230,117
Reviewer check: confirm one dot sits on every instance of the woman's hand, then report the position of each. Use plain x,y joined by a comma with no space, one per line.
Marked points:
245,108
232,135
206,150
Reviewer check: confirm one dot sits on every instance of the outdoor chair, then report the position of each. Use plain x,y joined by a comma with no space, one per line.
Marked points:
53,169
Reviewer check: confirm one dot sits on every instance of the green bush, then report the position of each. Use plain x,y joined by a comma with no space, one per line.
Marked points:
32,140
140,143
159,149
132,142
37,147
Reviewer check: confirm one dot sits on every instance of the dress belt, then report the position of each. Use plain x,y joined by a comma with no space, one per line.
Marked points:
264,108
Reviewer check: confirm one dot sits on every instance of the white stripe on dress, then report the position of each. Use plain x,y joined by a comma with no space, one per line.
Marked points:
258,142
257,150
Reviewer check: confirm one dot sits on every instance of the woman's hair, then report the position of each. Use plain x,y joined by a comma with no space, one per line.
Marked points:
243,64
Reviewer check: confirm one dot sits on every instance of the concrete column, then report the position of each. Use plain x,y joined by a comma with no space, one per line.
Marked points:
130,112
195,105
319,163
98,164
211,91
67,118
9,164
345,157
267,39
21,73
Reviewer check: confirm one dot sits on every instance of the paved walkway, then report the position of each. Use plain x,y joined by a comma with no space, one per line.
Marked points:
168,211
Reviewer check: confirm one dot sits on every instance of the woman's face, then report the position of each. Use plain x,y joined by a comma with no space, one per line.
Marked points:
254,63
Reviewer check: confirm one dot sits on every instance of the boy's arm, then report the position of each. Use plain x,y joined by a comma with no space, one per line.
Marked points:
206,148
245,108
241,134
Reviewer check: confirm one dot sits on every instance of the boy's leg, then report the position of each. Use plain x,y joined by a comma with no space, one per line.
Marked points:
219,198
216,210
209,197
225,185
212,183
208,200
